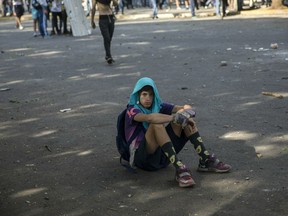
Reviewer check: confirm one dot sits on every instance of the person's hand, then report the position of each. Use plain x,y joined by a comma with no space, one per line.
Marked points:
93,25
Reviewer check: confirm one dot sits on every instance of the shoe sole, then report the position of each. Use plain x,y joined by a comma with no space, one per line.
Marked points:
212,170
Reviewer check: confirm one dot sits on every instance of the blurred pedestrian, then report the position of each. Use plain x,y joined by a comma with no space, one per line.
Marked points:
154,9
35,18
107,25
42,7
56,11
18,12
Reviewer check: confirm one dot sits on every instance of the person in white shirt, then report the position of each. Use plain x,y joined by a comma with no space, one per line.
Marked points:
56,10
18,12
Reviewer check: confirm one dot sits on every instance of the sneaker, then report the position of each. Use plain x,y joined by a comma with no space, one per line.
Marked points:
109,60
35,34
21,27
212,164
184,178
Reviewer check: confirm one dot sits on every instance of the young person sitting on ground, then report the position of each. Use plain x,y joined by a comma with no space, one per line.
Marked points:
166,128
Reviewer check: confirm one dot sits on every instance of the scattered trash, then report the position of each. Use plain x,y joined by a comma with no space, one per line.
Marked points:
65,110
14,101
273,94
47,147
129,195
284,78
184,88
247,178
259,155
228,49
5,89
274,45
223,63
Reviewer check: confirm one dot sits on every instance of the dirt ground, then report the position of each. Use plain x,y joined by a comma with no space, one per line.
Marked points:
57,163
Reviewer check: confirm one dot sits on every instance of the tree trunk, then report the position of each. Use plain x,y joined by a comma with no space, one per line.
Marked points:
276,4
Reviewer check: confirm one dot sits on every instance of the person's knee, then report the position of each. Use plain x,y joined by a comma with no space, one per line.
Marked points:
157,127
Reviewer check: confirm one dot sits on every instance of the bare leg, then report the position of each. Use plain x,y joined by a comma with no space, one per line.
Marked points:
156,136
93,12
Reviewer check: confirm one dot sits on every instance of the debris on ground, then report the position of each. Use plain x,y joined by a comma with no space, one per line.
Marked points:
65,110
274,45
273,94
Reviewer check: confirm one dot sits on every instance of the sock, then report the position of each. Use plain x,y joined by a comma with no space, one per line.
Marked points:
169,151
199,147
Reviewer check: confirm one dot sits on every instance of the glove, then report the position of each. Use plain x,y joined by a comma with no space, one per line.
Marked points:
181,118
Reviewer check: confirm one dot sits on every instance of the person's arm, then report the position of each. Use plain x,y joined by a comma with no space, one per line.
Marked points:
177,108
93,12
155,118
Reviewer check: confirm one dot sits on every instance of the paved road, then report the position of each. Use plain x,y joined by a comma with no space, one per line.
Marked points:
66,163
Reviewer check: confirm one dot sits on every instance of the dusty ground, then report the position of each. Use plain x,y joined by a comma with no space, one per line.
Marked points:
66,163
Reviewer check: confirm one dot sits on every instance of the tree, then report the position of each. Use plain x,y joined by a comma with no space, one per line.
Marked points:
277,4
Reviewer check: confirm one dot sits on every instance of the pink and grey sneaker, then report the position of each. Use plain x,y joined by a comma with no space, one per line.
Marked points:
184,178
212,164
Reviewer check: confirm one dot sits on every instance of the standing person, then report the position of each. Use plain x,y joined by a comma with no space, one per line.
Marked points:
35,17
18,12
224,7
155,9
64,20
165,129
42,7
107,24
192,9
56,10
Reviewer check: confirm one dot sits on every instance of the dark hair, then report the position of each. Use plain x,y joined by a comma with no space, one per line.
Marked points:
146,88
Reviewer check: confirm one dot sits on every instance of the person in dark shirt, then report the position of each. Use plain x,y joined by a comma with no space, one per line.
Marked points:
166,128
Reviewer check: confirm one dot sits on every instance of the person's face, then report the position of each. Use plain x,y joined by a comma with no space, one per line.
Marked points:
146,98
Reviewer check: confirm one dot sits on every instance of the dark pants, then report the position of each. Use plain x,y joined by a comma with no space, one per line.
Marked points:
106,25
55,16
158,159
224,7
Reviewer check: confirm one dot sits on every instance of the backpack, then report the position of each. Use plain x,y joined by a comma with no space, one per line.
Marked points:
36,5
121,142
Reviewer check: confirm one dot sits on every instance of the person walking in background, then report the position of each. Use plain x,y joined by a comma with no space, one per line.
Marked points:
107,25
154,9
18,12
192,9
